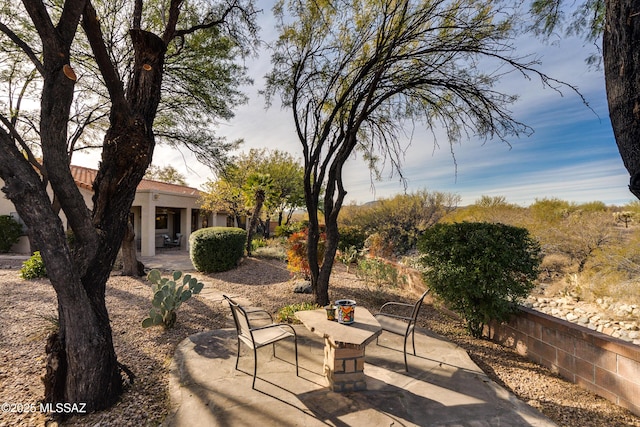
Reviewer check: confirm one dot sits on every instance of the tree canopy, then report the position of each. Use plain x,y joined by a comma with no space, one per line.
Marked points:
284,195
359,75
49,59
165,174
200,74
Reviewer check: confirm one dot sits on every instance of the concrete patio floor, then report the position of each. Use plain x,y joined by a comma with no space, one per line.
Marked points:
443,388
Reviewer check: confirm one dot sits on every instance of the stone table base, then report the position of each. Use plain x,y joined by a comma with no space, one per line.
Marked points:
344,346
344,367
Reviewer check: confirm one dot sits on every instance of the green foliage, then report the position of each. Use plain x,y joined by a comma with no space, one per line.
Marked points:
348,256
351,236
235,193
287,175
260,242
596,206
167,174
33,268
287,313
293,227
489,209
585,18
168,296
216,248
10,232
223,196
551,210
480,270
378,272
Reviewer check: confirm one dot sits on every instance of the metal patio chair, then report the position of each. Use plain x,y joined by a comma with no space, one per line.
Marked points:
401,325
260,336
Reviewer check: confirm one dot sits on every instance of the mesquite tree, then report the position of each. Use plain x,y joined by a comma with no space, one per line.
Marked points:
82,364
356,73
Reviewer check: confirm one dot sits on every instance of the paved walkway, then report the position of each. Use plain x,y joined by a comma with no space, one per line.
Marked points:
168,260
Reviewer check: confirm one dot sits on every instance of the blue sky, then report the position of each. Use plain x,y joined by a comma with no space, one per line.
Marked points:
571,155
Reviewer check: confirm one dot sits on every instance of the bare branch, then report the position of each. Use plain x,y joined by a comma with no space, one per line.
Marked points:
112,79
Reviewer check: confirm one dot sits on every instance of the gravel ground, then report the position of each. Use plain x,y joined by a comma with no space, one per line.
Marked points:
28,307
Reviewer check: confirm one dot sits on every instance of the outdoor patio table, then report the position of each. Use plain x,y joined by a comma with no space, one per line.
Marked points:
344,346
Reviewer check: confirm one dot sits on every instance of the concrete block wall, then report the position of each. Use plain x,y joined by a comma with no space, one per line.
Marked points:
602,364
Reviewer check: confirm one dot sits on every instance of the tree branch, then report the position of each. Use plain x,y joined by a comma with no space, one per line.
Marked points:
112,79
24,46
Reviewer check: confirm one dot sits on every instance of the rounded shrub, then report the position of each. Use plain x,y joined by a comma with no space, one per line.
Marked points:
481,270
216,248
10,232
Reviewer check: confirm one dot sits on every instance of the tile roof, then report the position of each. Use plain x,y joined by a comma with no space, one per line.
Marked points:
84,178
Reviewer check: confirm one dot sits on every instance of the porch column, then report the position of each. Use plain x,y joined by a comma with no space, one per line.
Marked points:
148,229
185,226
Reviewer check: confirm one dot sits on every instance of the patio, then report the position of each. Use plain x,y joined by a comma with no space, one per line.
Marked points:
443,388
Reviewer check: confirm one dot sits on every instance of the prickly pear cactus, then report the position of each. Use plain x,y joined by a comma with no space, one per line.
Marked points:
168,296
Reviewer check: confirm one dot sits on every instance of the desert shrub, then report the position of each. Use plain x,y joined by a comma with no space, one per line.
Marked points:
554,266
297,259
10,232
377,245
259,242
613,272
378,272
480,270
216,248
351,236
287,230
33,268
400,220
287,313
271,252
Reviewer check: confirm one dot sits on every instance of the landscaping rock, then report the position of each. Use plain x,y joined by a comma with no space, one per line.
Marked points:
617,320
303,287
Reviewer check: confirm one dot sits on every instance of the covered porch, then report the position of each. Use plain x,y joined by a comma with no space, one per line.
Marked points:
165,220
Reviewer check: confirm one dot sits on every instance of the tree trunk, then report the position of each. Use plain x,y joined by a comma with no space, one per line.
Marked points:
319,282
130,264
267,227
82,365
91,372
254,222
622,76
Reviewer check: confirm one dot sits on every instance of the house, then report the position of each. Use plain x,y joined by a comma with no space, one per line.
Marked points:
164,215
